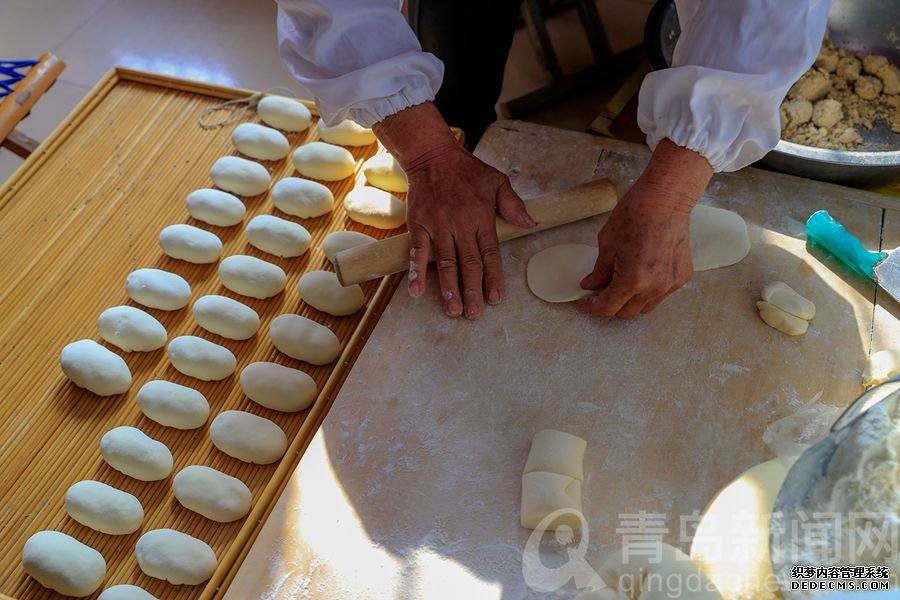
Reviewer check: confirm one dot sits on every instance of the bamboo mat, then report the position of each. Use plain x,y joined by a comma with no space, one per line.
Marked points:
83,212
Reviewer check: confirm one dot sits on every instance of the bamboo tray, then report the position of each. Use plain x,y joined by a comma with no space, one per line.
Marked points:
80,214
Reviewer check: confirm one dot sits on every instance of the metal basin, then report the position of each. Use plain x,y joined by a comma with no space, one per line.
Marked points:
860,26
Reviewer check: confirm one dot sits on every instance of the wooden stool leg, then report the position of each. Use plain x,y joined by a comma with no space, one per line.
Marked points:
15,106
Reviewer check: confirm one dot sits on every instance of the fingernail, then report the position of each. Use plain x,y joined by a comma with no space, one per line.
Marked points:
494,297
415,290
472,312
453,308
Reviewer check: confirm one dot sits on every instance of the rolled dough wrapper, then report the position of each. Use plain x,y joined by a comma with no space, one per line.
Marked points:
259,141
126,592
131,329
337,241
211,493
94,368
302,198
783,296
240,176
778,319
286,114
881,366
323,291
326,162
158,289
383,171
374,207
132,452
346,133
190,244
719,238
226,317
278,387
104,508
731,543
251,276
304,339
201,358
63,564
173,405
175,557
215,207
278,236
557,452
646,574
554,274
248,437
545,493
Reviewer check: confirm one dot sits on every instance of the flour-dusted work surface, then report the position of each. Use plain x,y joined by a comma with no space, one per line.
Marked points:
411,489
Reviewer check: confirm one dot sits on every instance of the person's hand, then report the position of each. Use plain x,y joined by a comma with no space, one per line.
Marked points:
645,253
452,205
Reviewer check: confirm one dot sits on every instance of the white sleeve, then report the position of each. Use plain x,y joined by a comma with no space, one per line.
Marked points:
358,58
734,63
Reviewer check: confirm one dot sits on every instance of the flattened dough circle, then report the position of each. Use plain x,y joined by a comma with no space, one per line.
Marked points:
555,273
718,238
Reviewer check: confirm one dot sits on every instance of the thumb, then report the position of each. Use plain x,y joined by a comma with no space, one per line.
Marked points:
602,274
511,207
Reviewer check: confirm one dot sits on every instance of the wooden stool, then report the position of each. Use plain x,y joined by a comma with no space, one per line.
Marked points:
16,106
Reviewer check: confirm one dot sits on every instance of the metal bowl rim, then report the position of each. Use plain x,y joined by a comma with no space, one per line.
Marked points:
854,158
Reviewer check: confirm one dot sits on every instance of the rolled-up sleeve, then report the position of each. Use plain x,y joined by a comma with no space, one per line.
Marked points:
733,65
358,58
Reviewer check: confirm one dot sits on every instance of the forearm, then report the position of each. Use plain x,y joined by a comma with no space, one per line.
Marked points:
679,175
413,134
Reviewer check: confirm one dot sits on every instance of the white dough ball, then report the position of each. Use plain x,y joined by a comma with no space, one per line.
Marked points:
558,452
371,206
259,141
278,387
201,358
131,329
782,321
158,289
175,557
304,339
323,291
215,207
383,171
346,133
104,508
248,437
278,236
190,244
126,592
251,276
302,198
63,564
337,241
783,296
173,405
545,493
240,176
327,162
132,452
211,493
286,114
226,317
94,368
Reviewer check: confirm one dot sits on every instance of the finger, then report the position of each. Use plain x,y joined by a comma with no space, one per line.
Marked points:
489,247
603,272
632,308
653,304
609,301
511,207
448,275
472,274
418,261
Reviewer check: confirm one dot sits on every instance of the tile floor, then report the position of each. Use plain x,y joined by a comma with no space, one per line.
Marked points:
233,42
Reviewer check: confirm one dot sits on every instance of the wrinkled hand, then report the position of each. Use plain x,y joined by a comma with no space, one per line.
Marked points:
645,253
452,206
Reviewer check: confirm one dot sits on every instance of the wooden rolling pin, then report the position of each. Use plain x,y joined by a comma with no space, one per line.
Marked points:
391,255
